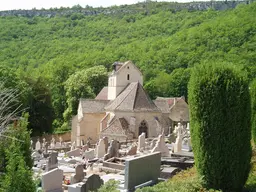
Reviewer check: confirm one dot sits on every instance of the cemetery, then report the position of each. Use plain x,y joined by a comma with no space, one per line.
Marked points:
61,166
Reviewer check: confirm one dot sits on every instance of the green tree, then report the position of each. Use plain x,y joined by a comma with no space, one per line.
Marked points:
253,108
39,105
220,113
16,158
77,86
18,176
178,84
97,78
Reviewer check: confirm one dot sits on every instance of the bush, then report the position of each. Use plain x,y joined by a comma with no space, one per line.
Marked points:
220,114
111,185
253,104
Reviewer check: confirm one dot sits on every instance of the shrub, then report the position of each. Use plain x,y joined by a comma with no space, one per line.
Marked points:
111,185
253,108
220,113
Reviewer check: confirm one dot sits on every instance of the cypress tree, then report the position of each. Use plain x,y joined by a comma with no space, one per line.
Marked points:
253,108
220,112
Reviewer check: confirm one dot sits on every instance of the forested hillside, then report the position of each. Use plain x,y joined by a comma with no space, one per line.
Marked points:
43,57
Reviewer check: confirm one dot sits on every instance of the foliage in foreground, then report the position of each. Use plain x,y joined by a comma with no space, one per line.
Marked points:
16,159
220,125
253,108
111,185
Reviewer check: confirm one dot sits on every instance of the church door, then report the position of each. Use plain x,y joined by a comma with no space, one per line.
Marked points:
143,128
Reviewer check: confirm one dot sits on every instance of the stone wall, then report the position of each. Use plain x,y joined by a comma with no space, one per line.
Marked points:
66,137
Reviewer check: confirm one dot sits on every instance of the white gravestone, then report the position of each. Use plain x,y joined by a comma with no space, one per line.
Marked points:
178,144
52,180
161,147
141,142
53,143
38,145
100,151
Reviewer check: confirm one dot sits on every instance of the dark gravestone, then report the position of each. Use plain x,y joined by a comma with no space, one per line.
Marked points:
138,172
93,182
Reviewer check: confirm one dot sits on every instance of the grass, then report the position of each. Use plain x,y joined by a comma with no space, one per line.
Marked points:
251,182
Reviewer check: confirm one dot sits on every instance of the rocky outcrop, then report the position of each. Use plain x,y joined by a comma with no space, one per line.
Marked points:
125,9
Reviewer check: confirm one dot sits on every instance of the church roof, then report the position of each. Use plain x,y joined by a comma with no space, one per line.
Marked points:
93,105
163,105
167,103
103,94
133,98
119,126
170,101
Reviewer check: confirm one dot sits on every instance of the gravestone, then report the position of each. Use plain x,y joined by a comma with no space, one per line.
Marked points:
142,169
79,174
36,155
75,153
43,144
85,148
100,149
61,141
90,154
141,142
58,145
161,146
52,180
153,144
52,161
90,183
106,143
73,146
93,182
132,150
77,187
38,145
31,144
52,143
113,150
177,146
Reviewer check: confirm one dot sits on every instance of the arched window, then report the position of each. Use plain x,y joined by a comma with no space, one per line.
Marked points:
128,77
143,128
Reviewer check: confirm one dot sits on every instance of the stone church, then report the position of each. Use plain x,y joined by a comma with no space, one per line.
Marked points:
123,110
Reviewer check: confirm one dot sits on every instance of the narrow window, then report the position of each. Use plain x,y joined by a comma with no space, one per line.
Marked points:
128,77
